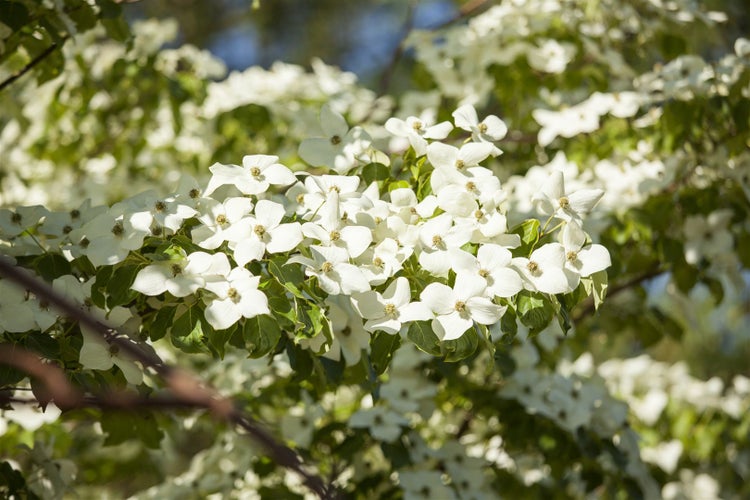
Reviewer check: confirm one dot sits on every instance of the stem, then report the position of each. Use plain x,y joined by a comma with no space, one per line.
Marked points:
39,58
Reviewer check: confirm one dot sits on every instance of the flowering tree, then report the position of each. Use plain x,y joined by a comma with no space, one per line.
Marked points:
279,284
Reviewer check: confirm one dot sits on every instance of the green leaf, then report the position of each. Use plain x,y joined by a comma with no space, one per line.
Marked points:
187,331
420,332
398,185
161,323
14,14
113,20
289,275
596,286
103,276
118,287
51,266
373,172
261,334
534,310
528,230
382,347
462,347
121,427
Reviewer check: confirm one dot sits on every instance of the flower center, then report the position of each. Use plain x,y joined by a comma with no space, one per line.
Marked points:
255,171
259,230
176,269
117,229
221,219
417,125
377,262
74,214
564,202
335,140
334,188
16,218
460,306
334,235
482,127
160,206
460,164
470,186
478,214
533,267
390,309
572,256
484,273
437,240
327,267
300,198
233,295
194,193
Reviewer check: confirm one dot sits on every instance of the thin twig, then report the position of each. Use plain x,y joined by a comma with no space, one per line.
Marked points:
187,390
39,58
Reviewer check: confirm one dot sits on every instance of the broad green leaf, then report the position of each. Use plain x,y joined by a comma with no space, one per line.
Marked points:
161,323
118,287
529,233
373,172
382,347
534,310
462,347
261,334
420,332
52,265
289,275
187,331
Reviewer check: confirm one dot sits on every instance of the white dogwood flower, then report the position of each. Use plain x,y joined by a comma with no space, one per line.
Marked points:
389,310
236,296
457,308
341,147
255,176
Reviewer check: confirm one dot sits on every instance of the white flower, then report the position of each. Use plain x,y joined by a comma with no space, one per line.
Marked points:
255,176
330,265
543,270
384,424
438,236
254,236
217,219
108,238
582,261
492,264
340,149
567,122
489,130
97,354
181,276
456,309
389,310
15,313
349,336
551,57
236,296
552,199
449,157
418,130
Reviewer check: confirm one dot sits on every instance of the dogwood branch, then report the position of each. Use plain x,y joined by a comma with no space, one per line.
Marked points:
187,390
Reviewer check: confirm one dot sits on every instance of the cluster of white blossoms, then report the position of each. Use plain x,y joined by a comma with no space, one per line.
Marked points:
354,241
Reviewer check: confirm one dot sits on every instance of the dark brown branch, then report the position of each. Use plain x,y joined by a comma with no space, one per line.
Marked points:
186,389
39,58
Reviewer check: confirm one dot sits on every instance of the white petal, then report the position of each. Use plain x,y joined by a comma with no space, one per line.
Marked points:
483,311
222,314
284,237
439,298
369,305
594,258
465,117
152,280
453,326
